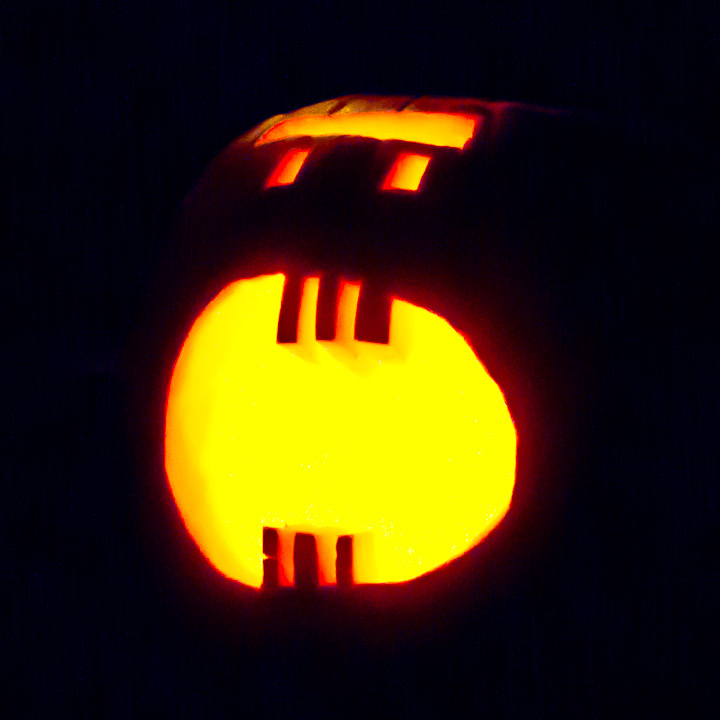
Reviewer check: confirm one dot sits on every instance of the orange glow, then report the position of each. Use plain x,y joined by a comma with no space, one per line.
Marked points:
288,168
408,446
407,172
439,129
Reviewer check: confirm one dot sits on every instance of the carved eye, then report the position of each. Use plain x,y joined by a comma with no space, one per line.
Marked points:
449,130
288,168
407,172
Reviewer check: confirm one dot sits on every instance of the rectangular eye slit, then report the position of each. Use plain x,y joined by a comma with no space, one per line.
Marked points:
288,168
407,172
290,310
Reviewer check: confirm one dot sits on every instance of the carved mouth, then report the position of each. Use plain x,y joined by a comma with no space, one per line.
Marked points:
280,417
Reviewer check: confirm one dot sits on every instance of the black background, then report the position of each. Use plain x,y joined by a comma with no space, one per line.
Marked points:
114,110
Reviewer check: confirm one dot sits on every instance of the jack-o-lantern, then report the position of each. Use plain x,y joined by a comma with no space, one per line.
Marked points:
341,395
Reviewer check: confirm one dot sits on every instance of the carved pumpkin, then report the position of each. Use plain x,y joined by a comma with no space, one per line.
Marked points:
336,404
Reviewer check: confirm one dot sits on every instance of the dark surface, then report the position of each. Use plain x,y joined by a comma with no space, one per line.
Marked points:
114,111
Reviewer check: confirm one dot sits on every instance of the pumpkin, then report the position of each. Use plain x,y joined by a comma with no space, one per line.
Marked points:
344,381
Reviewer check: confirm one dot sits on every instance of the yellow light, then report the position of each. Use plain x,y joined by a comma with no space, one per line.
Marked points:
439,129
407,172
409,447
288,168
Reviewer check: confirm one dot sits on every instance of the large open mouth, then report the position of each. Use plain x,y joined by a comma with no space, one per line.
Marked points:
320,433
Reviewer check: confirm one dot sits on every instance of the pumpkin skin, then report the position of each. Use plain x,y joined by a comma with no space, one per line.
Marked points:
437,248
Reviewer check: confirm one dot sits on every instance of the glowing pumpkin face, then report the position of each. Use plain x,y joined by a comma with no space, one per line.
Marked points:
405,449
